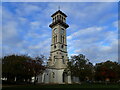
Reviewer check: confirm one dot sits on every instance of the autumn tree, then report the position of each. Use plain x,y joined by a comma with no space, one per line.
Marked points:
107,70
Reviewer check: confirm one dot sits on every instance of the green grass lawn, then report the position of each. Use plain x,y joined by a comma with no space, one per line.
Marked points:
62,86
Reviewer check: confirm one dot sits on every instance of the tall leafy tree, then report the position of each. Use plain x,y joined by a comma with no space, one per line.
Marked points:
37,66
81,67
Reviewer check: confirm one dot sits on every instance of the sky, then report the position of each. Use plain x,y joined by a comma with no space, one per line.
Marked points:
93,28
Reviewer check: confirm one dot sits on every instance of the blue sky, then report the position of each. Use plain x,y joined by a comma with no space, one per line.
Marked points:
93,28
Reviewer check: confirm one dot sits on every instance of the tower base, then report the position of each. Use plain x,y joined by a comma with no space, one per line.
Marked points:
55,76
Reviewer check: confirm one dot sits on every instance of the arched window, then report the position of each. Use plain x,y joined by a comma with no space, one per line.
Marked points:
57,17
53,74
54,58
62,46
53,19
64,19
56,38
55,46
60,17
61,38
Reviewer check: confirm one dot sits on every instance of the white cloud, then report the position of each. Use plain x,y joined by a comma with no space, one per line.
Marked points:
86,31
88,13
22,20
69,37
25,9
43,47
22,35
97,43
99,53
115,24
35,24
41,44
9,30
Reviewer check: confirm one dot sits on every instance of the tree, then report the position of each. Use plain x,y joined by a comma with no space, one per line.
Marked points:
37,66
107,70
81,67
21,67
13,67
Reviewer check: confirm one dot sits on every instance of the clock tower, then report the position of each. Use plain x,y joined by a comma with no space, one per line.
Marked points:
57,64
58,52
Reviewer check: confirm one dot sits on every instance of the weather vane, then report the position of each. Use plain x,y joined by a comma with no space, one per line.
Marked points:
59,7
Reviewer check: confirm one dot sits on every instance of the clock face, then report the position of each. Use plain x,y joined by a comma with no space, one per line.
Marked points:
55,30
62,31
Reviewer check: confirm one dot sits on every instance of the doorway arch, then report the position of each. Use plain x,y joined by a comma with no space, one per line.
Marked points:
64,77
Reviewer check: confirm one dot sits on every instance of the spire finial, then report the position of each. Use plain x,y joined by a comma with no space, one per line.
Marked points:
59,7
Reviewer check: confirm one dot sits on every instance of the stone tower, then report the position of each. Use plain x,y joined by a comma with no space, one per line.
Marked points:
57,64
58,52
